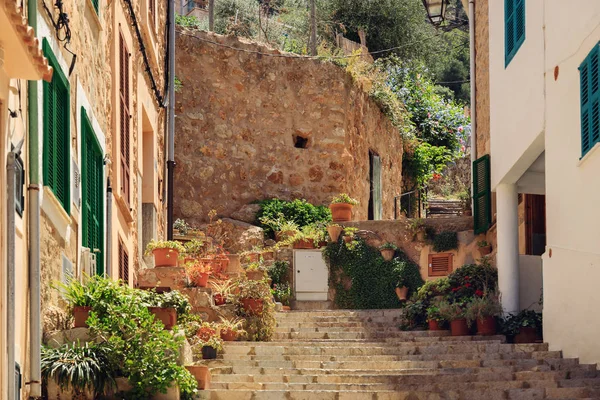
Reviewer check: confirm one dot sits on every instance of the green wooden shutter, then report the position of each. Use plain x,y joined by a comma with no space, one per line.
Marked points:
57,132
482,196
92,188
590,96
96,4
514,28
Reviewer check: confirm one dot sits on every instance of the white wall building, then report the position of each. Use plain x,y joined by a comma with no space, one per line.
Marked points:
544,74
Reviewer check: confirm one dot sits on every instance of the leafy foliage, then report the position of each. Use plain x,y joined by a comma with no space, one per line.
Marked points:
282,293
299,211
526,318
408,273
81,367
373,279
445,241
173,299
278,272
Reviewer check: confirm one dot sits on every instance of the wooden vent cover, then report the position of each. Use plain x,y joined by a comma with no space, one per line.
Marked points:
440,264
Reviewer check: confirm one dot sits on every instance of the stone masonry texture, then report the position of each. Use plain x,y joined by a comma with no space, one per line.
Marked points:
482,79
239,113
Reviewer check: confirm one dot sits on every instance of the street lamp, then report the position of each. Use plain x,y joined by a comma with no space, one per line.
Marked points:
436,10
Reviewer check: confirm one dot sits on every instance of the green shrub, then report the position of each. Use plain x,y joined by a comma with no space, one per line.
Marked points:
445,241
278,272
298,211
471,280
408,273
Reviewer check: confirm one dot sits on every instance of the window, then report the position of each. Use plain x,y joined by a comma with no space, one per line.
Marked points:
482,196
123,263
125,115
300,142
514,27
19,183
56,149
96,4
440,264
590,96
92,186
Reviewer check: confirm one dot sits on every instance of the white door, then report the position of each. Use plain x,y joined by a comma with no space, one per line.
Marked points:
311,275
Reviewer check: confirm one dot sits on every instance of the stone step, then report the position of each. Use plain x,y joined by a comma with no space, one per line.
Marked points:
311,305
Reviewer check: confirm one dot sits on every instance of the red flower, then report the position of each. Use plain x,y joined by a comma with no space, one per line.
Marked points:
467,285
455,289
479,293
467,278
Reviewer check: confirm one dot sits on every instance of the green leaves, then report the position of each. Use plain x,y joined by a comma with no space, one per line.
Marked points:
298,211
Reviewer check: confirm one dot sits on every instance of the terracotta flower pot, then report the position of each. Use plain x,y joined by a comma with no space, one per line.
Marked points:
219,299
252,257
286,308
334,232
81,314
304,244
165,257
168,316
485,250
228,335
252,306
268,255
202,375
387,254
459,327
209,353
348,239
434,325
486,326
341,212
255,275
526,334
201,280
402,293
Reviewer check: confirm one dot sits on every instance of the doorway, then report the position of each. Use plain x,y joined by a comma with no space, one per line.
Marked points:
535,224
375,191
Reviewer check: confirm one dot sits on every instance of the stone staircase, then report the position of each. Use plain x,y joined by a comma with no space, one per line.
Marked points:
362,355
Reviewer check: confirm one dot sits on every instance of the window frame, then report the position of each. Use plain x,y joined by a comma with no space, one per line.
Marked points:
517,40
589,103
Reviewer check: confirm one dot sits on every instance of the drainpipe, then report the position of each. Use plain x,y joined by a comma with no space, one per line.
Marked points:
108,252
473,92
10,267
171,116
33,191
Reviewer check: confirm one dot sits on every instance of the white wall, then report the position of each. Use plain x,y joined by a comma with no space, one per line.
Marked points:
572,260
516,95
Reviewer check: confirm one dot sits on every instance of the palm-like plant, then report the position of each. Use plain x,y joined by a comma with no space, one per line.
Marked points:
81,367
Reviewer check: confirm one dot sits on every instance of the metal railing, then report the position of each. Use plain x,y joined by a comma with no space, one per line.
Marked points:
409,208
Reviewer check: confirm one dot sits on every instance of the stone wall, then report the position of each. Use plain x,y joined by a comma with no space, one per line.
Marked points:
239,114
482,76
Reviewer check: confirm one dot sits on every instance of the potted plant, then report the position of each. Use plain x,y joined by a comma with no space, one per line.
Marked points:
388,250
255,271
484,247
484,310
252,256
455,313
434,318
202,375
417,227
209,340
334,231
166,252
524,327
252,295
166,306
198,273
194,250
268,254
283,228
221,291
349,233
282,293
230,330
409,277
465,197
341,207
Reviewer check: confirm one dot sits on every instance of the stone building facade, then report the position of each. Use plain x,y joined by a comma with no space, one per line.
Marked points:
253,123
96,124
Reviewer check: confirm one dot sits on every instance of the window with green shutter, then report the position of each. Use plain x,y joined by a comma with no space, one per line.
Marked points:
92,188
482,195
96,4
590,97
57,143
514,27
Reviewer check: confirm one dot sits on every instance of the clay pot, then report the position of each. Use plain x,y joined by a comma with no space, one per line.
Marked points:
304,244
321,244
202,375
341,212
228,335
268,255
219,299
348,239
168,316
485,250
255,275
165,257
388,254
421,236
334,232
81,314
526,334
201,280
434,325
209,353
252,306
286,308
402,293
252,257
459,327
486,326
